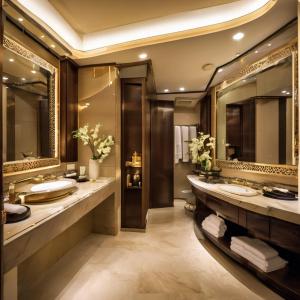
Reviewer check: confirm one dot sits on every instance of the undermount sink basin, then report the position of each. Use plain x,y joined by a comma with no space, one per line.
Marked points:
50,191
238,190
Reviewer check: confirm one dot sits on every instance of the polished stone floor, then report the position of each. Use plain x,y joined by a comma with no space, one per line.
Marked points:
166,262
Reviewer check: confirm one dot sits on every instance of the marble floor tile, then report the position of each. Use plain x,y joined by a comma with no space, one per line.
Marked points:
167,262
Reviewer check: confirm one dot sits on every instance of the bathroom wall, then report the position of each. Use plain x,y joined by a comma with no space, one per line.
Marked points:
99,102
184,116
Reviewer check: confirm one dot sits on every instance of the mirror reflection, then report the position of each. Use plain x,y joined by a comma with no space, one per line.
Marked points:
25,109
255,117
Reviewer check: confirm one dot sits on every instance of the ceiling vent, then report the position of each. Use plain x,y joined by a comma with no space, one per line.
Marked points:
186,102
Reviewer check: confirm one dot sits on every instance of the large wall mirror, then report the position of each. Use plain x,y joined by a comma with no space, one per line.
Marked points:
29,109
257,114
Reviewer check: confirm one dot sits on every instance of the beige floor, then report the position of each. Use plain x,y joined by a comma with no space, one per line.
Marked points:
166,262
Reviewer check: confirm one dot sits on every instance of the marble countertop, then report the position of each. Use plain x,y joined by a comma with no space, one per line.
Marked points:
49,219
285,210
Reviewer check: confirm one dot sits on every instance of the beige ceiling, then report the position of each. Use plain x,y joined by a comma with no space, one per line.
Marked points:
179,63
95,15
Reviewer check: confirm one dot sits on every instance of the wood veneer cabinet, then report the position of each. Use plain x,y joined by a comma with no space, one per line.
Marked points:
135,138
68,110
282,235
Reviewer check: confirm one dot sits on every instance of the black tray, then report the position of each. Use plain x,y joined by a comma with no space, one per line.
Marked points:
13,218
281,196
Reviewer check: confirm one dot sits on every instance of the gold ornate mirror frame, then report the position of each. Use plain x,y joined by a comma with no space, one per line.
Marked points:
291,49
24,165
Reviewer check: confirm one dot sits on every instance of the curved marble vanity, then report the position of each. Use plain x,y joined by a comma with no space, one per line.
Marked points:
276,222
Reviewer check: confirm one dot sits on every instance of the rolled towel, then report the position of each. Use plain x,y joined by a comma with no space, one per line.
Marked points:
255,246
270,263
14,208
215,219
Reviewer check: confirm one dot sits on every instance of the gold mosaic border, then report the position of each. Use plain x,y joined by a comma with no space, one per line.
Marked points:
279,170
262,64
24,165
18,49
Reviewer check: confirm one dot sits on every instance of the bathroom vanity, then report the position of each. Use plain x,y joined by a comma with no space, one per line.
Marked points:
24,239
276,222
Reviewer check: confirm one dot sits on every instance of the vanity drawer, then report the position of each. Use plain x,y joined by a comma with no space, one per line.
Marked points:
285,235
258,225
229,211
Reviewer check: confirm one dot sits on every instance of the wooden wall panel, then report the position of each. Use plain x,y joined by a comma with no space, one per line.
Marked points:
68,110
205,114
162,154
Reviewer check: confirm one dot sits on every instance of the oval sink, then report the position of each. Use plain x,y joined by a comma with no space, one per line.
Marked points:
238,190
51,186
50,191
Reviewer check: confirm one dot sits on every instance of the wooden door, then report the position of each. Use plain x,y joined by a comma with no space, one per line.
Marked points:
162,154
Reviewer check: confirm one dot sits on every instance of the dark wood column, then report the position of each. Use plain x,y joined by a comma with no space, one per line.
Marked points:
205,114
162,154
68,110
1,157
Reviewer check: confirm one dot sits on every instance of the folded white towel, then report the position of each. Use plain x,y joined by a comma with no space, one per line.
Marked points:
185,143
214,226
255,246
14,208
270,265
215,220
216,233
177,144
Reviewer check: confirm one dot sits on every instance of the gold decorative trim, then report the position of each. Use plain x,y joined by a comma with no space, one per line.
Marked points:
13,46
25,165
277,170
262,64
290,49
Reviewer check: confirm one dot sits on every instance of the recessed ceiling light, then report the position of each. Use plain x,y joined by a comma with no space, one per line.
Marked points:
238,36
269,45
220,70
238,54
288,93
256,51
52,46
4,78
166,90
283,92
42,36
23,78
20,19
244,80
143,55
11,60
33,71
181,89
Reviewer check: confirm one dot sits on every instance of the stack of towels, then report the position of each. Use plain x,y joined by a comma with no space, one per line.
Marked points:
258,253
214,225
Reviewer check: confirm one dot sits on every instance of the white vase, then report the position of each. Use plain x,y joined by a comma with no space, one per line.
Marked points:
94,169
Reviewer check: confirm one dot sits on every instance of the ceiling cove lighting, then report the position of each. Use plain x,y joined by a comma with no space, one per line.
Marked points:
238,36
176,23
182,89
143,55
